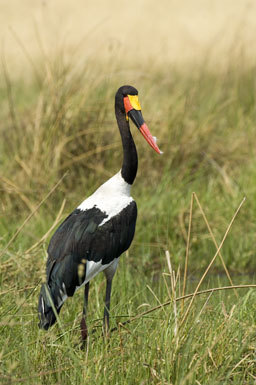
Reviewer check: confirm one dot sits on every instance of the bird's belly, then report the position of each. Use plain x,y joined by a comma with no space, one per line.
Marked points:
94,268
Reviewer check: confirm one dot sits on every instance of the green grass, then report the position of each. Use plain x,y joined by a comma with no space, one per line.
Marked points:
64,121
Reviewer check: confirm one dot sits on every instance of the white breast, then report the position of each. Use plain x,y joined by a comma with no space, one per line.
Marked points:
111,197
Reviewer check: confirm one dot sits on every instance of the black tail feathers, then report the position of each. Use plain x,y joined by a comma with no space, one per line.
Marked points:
45,311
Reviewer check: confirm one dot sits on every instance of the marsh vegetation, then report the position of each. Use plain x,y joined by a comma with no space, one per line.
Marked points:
59,142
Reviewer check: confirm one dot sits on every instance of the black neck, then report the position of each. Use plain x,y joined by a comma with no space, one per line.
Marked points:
130,158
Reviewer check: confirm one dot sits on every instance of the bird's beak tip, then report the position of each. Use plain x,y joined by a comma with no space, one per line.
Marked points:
157,148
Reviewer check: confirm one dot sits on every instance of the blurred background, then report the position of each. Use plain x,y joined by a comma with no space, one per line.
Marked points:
137,31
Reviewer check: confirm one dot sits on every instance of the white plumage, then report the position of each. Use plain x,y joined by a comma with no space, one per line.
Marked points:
111,197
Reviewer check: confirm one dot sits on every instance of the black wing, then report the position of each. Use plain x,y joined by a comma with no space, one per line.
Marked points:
80,237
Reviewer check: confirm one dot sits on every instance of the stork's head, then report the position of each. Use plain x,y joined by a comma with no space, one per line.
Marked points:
127,101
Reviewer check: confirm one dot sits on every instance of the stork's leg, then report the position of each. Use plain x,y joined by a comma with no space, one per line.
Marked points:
109,273
107,306
84,331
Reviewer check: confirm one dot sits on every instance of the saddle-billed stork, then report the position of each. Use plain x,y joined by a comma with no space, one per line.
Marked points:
92,238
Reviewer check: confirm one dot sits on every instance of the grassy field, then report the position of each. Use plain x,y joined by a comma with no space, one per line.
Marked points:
59,128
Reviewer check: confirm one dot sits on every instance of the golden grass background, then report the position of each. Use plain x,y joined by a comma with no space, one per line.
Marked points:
133,31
